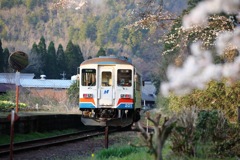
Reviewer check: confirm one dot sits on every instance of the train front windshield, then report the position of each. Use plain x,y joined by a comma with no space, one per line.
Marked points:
88,77
124,77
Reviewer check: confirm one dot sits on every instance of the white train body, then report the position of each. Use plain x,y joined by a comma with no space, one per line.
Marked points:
109,92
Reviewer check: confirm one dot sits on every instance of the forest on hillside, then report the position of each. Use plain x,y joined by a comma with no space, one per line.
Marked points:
93,25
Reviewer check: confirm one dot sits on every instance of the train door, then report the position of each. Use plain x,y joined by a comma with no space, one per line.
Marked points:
106,86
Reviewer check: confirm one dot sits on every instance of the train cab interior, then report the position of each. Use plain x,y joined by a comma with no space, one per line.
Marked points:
106,78
124,77
88,77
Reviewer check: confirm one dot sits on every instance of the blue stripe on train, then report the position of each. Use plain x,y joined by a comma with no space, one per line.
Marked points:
121,106
86,105
125,106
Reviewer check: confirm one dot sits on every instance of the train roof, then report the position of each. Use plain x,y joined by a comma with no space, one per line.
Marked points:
107,60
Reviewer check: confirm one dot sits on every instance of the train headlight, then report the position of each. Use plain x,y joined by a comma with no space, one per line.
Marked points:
125,96
87,95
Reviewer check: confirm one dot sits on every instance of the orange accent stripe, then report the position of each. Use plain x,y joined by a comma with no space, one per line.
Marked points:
91,100
122,100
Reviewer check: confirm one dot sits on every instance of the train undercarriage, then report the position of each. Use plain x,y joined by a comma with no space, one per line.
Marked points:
110,117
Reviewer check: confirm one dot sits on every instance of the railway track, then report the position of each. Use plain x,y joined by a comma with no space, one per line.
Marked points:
52,141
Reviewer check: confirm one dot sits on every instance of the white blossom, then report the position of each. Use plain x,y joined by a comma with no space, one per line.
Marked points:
228,39
199,15
198,69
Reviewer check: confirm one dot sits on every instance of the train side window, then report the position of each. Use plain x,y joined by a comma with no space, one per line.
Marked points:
124,77
88,77
106,78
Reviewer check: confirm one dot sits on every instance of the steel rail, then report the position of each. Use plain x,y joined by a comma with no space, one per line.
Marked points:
51,141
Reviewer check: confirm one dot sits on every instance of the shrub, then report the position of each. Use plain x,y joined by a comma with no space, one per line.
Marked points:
73,93
209,124
183,138
205,134
8,105
227,141
217,96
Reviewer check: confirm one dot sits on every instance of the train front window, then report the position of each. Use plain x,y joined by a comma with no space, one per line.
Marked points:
124,77
106,78
88,77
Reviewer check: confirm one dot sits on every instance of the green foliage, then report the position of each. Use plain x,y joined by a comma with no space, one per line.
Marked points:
61,61
123,35
30,4
44,16
32,19
134,39
101,39
216,96
6,4
156,81
5,97
35,61
42,55
205,134
3,29
113,29
183,138
206,125
42,48
51,64
73,57
6,55
1,57
5,139
72,32
116,152
162,103
8,105
73,93
101,52
91,29
227,143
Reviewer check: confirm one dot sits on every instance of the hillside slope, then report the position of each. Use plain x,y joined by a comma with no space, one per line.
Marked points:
94,24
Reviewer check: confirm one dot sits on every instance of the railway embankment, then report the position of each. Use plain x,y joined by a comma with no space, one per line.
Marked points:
40,122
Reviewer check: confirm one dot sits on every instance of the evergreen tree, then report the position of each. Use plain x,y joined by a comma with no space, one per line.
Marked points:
42,51
101,52
1,58
61,62
73,58
70,58
35,63
6,55
80,55
51,65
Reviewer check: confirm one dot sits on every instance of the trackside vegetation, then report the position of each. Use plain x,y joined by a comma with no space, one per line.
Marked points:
5,139
8,105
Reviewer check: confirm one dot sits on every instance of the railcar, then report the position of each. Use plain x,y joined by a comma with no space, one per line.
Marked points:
109,91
